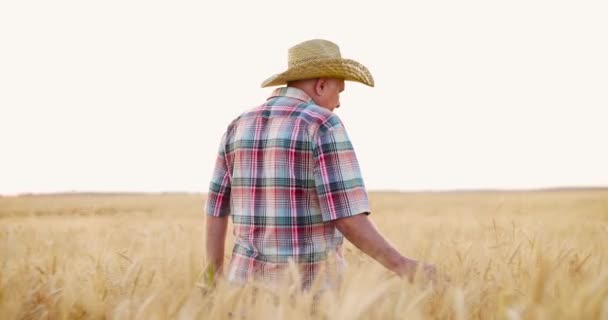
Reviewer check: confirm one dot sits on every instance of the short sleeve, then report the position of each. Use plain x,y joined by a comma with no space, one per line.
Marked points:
338,178
218,197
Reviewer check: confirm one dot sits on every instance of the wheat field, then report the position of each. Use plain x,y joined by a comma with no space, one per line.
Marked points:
500,255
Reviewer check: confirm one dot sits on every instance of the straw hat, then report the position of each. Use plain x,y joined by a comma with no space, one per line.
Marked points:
319,58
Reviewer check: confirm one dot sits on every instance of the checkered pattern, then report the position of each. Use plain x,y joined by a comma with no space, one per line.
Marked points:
285,170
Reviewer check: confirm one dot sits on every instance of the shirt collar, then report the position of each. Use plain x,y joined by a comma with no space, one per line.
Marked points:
291,93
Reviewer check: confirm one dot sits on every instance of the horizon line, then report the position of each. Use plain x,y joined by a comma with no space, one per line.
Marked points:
388,190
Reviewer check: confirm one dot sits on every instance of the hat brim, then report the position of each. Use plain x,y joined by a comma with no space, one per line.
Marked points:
346,69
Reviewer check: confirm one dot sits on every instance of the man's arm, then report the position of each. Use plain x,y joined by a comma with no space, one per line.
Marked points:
343,200
215,240
362,232
217,209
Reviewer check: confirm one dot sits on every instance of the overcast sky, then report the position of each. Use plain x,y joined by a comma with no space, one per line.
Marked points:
134,95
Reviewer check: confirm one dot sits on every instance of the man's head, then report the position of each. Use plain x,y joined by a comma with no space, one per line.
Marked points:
324,91
318,64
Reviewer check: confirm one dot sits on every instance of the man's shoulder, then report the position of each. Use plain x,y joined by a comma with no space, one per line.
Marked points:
252,112
318,117
315,117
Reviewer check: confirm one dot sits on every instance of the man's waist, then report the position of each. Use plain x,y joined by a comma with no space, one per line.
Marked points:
302,256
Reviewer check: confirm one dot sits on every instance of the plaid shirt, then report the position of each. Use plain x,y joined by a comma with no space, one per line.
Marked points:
285,170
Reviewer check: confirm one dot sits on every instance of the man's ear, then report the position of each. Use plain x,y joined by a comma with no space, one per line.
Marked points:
320,86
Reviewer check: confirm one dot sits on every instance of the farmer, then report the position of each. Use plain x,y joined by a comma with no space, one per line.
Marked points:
288,175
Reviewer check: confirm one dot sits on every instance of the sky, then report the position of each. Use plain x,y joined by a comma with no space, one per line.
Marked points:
114,96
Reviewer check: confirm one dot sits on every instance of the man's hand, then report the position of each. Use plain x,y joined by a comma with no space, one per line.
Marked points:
410,269
429,272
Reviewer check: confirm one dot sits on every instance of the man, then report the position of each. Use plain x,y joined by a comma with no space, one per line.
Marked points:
288,175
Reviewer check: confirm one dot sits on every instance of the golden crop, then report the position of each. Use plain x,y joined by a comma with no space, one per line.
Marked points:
509,255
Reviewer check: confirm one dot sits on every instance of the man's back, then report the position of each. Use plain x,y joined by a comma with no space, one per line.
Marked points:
284,171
